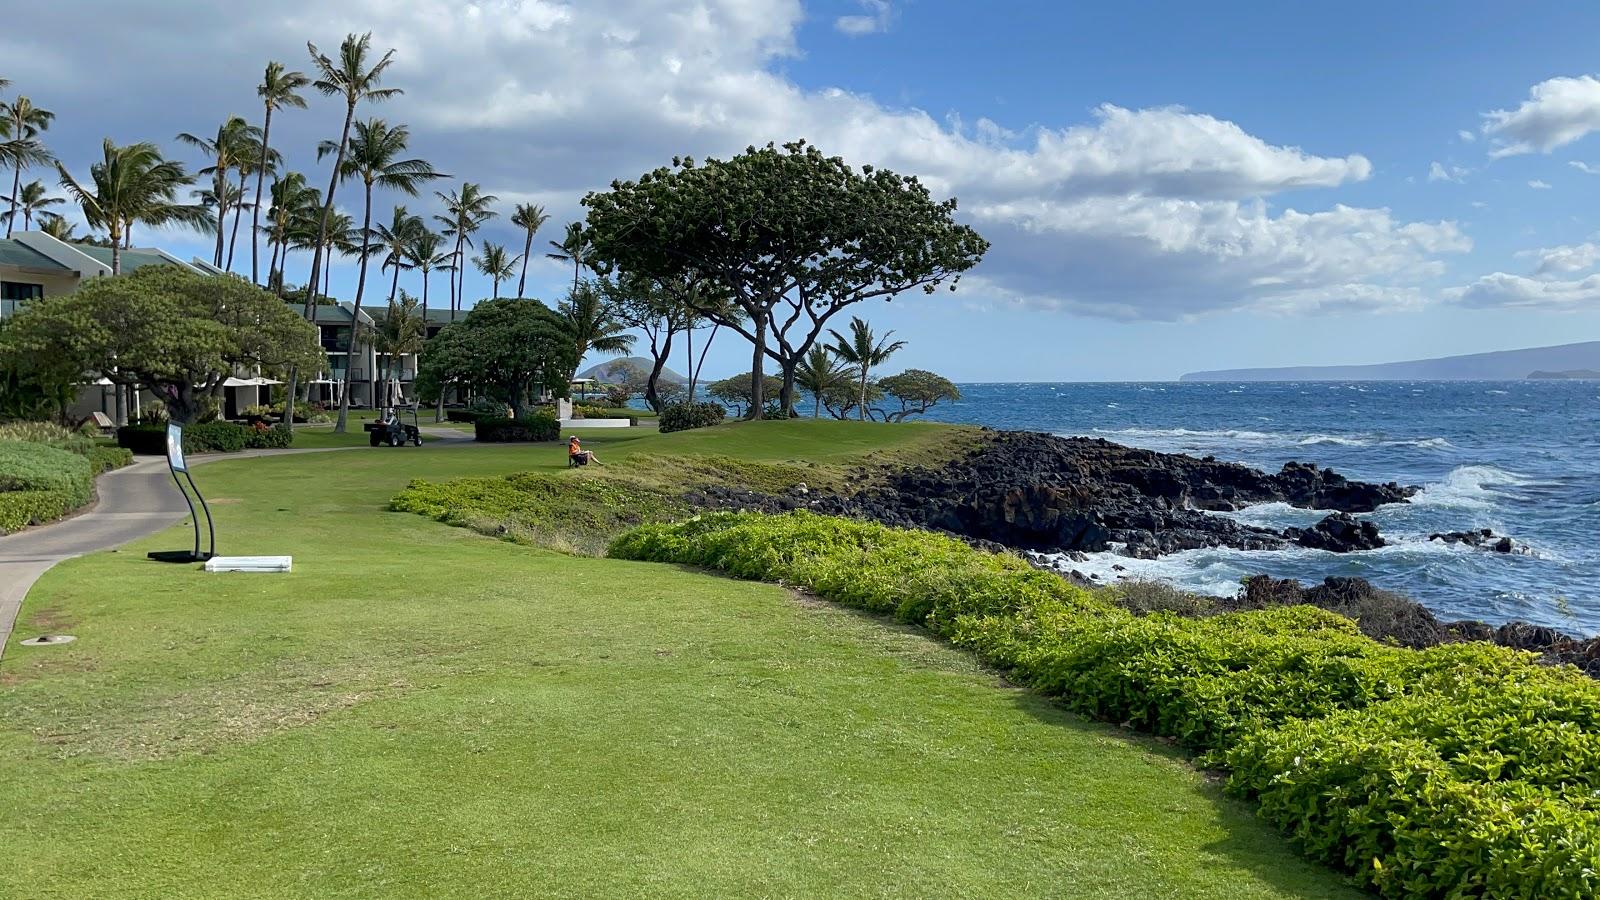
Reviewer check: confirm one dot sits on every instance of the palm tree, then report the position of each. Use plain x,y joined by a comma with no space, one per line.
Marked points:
530,217
593,323
863,350
424,256
226,152
818,373
57,227
258,160
574,248
23,122
351,78
278,89
372,157
494,263
31,201
465,212
294,204
402,332
133,184
395,241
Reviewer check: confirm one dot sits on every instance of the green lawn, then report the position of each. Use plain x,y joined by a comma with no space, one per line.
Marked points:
419,710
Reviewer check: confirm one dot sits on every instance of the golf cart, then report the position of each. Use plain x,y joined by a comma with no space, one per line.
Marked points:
393,432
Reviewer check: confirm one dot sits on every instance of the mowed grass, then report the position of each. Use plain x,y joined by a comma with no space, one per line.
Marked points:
421,711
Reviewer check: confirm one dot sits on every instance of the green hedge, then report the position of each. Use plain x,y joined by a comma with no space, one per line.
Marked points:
684,416
39,483
540,426
605,412
207,437
1460,770
463,415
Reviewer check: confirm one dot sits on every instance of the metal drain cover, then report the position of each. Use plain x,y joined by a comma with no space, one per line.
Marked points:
46,640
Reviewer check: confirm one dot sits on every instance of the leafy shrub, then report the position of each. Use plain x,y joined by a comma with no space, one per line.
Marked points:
684,416
215,437
258,411
539,426
207,437
48,433
144,439
39,483
1460,770
274,438
605,412
463,415
104,459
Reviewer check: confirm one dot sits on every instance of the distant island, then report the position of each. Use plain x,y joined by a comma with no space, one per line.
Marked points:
1575,374
628,369
1563,361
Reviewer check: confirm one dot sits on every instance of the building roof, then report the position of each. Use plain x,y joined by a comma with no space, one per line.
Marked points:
17,254
132,258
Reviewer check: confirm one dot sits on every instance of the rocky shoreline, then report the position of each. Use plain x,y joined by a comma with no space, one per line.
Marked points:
1043,494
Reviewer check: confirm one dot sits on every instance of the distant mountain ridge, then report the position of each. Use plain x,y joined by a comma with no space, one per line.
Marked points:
1499,365
615,370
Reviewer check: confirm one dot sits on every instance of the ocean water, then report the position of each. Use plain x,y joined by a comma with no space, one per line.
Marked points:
1522,458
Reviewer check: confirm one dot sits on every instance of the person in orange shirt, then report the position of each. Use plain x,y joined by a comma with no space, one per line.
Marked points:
578,456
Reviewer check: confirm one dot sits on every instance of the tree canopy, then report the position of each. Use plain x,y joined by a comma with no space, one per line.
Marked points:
506,348
179,334
736,393
918,391
792,236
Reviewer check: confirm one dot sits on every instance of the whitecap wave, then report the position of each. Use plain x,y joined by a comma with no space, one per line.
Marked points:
1470,487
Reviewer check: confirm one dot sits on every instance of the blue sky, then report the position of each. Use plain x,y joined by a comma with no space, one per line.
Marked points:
1169,187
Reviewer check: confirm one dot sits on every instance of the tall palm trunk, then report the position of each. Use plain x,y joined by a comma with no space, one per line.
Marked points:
233,239
327,209
527,249
861,411
456,300
255,213
16,188
219,184
355,319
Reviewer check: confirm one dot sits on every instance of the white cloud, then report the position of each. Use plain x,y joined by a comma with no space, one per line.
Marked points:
1501,290
1440,172
879,16
1158,213
1584,167
1564,259
1538,185
1466,136
1556,113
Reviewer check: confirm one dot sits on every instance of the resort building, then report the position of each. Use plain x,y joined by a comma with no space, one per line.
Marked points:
34,265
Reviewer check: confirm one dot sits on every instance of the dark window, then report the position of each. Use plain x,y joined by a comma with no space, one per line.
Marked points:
20,290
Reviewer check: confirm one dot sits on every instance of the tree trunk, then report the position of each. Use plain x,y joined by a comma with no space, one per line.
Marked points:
119,404
861,412
238,210
116,254
219,185
394,286
652,395
327,210
816,398
16,188
355,318
786,398
288,398
255,213
757,371
522,282
455,301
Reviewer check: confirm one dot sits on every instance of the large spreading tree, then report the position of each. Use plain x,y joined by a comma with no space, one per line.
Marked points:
793,237
178,334
506,348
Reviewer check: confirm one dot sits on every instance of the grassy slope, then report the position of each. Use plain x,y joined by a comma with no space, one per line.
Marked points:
417,709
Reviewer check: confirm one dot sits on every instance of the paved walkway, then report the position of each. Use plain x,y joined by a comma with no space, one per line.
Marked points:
134,501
